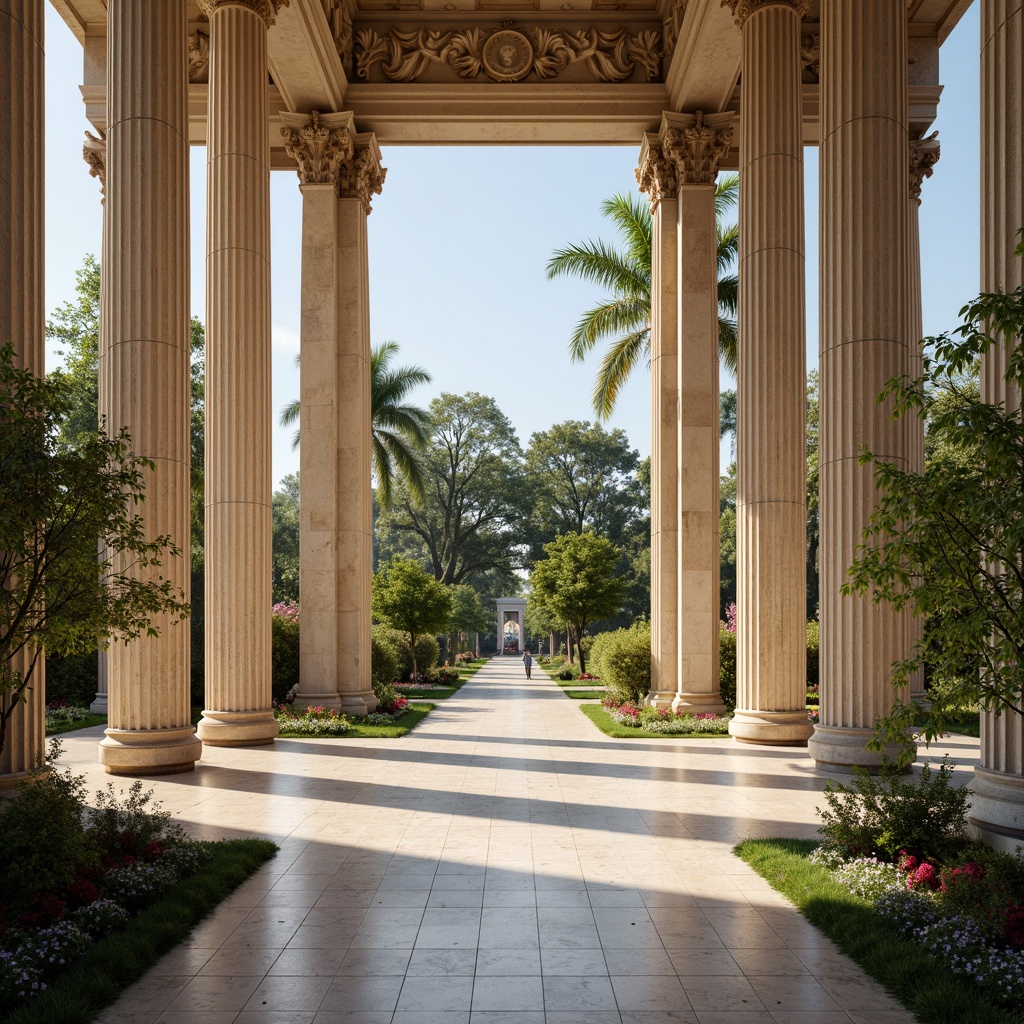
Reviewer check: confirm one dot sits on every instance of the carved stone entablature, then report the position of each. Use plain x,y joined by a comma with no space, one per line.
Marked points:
743,9
94,152
671,26
810,57
696,144
363,178
198,54
655,172
266,9
509,54
319,144
340,21
924,155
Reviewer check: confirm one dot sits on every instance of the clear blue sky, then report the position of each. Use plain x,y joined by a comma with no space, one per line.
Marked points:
460,237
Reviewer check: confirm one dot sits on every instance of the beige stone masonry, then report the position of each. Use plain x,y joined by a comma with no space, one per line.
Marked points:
865,324
771,496
997,806
145,357
22,282
238,409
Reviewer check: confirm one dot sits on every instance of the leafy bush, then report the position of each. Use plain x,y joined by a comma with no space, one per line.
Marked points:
130,825
284,654
74,678
813,642
870,878
378,718
727,668
622,658
384,658
885,814
427,653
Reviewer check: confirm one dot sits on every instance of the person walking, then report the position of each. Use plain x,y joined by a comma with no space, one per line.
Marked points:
527,662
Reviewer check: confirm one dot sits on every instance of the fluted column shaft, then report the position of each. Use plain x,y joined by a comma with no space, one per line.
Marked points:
238,410
771,495
22,315
145,344
997,805
865,324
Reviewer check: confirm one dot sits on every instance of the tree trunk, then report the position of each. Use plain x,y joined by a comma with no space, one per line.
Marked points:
412,643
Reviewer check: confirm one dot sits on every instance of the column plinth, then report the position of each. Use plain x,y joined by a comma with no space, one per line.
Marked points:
771,491
144,351
865,327
238,707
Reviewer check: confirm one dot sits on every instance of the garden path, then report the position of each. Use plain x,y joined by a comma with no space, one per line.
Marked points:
506,863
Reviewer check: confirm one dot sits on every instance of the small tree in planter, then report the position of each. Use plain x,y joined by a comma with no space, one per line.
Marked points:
410,600
60,495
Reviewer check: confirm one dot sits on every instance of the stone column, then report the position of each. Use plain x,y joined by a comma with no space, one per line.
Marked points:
338,172
22,316
865,324
238,708
145,348
771,491
997,806
696,146
924,155
656,176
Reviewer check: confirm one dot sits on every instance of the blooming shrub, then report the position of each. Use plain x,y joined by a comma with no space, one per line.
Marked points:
18,980
48,949
60,713
869,878
379,718
134,885
287,610
729,623
313,721
664,721
100,918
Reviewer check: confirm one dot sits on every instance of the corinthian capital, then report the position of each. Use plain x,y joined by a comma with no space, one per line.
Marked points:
696,144
319,145
94,153
266,9
363,177
656,173
743,9
924,155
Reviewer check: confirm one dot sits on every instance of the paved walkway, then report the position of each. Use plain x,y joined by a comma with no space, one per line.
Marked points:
504,864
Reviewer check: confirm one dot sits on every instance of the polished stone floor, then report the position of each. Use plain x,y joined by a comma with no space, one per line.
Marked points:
504,864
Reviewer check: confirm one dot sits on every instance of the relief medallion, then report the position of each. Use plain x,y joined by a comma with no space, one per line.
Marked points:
507,55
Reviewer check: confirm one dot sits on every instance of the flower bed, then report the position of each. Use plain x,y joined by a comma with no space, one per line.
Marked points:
63,717
665,721
394,716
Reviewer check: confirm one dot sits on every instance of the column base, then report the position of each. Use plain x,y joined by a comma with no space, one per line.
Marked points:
661,698
699,703
99,705
997,809
331,701
237,728
771,728
150,751
12,782
358,704
841,749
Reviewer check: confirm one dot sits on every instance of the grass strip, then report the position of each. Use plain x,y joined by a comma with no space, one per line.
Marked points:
610,727
115,962
435,693
82,723
923,985
585,694
412,717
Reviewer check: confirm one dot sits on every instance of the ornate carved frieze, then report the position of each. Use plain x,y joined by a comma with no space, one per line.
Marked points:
266,9
656,172
924,155
810,57
509,54
340,21
743,9
198,54
363,178
94,152
697,145
671,26
319,149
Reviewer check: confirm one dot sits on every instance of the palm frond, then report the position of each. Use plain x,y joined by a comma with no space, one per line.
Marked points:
601,264
727,194
625,315
728,343
617,364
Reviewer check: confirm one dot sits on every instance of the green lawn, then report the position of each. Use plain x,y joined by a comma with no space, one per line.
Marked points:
84,723
412,717
923,985
597,694
610,727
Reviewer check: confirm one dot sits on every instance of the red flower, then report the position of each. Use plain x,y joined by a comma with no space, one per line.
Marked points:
925,877
154,850
82,893
1013,925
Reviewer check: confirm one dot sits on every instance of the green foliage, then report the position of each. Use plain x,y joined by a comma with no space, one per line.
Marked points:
406,598
284,655
727,539
885,813
385,659
284,517
74,678
428,651
727,668
43,843
59,496
134,814
813,645
622,659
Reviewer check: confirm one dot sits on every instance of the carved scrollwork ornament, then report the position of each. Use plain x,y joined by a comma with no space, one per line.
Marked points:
743,9
94,152
697,149
810,57
340,22
363,178
266,9
198,54
656,174
319,151
671,26
924,155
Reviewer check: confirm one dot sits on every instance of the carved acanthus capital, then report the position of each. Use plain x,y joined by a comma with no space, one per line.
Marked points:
94,152
743,9
266,9
656,172
363,177
924,155
810,57
319,145
697,145
198,54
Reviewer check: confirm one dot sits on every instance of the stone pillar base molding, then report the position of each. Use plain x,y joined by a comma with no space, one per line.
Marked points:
330,700
237,728
774,728
698,703
99,705
843,749
997,809
150,751
358,704
660,698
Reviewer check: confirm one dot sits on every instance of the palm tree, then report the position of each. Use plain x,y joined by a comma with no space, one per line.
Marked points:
625,270
399,430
